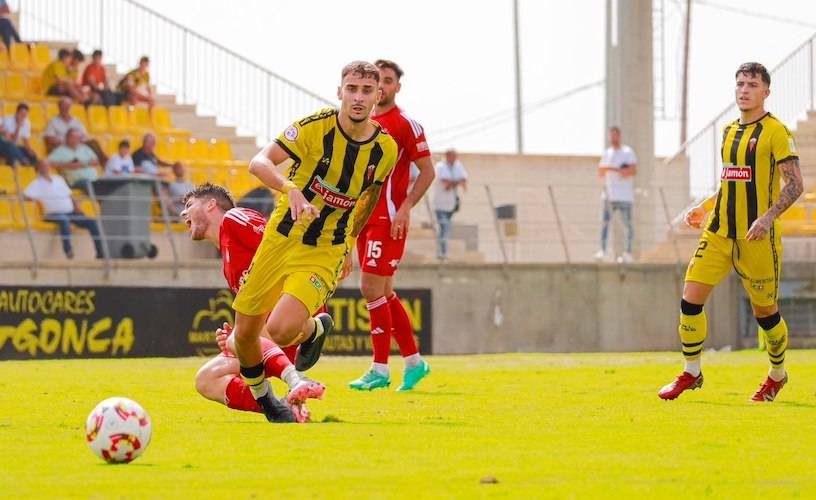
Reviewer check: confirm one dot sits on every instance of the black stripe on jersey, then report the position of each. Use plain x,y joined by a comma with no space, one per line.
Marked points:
312,233
374,159
285,225
340,230
715,221
750,187
292,155
731,208
317,117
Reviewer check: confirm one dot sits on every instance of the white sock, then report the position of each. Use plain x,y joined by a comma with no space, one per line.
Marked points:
260,390
777,374
381,368
290,376
693,367
412,360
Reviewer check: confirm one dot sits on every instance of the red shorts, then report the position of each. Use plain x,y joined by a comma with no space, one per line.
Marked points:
379,253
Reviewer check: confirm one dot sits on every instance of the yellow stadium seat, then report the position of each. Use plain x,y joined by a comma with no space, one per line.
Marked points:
200,151
15,86
4,58
40,56
38,145
118,119
9,108
139,119
6,216
198,175
795,213
26,174
19,56
34,88
89,207
34,212
7,180
179,150
51,110
36,115
78,112
221,150
164,125
98,119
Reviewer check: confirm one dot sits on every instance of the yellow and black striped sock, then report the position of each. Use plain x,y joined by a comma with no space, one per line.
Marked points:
693,329
256,380
775,331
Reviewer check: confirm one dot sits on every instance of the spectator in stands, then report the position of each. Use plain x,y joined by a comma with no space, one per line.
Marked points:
177,189
121,162
59,207
57,129
135,85
56,79
617,168
77,58
76,161
17,130
7,30
95,78
145,158
450,176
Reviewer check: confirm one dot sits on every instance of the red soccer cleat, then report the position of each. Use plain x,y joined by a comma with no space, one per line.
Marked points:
769,389
683,382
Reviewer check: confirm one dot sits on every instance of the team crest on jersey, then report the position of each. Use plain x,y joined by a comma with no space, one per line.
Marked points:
316,282
752,144
331,196
291,133
369,176
735,173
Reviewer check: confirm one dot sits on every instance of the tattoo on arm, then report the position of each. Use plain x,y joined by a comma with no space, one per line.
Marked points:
794,186
365,207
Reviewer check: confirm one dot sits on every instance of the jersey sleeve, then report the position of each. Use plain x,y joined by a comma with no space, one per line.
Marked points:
295,139
238,230
389,159
783,145
416,146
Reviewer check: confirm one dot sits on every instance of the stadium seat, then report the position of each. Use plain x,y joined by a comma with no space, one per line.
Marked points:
6,216
221,150
118,119
9,108
163,125
51,110
40,56
19,57
98,120
26,175
34,88
200,151
179,150
38,145
36,114
198,175
139,120
7,180
15,87
89,207
78,112
4,59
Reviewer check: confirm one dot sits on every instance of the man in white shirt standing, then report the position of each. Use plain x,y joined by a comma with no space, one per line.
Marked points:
54,196
450,176
617,168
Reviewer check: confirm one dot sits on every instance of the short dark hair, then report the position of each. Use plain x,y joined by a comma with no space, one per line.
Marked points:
754,69
615,128
144,59
63,53
96,53
387,63
362,68
21,106
124,143
220,194
78,55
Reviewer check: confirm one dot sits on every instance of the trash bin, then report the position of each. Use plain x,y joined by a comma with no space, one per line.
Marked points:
125,204
506,215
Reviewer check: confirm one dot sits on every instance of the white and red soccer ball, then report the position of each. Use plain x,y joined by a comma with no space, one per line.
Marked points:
118,430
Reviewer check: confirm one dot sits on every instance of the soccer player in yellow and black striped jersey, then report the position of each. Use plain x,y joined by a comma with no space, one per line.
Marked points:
742,231
340,159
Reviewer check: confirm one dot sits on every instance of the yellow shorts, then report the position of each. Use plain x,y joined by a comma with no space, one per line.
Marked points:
285,265
758,263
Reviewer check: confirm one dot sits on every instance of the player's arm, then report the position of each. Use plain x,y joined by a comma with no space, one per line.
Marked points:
264,166
697,214
423,181
790,192
363,210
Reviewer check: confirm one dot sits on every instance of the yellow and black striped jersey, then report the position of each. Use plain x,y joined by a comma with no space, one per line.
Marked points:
750,179
331,170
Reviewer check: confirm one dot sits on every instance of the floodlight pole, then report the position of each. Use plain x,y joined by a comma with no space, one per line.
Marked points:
519,130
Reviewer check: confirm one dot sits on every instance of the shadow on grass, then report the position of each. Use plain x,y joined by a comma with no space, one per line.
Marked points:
794,404
131,464
335,420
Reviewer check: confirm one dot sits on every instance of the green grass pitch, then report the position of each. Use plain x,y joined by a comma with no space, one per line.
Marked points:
582,426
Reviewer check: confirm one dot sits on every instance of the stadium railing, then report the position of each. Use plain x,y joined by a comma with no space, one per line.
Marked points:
255,99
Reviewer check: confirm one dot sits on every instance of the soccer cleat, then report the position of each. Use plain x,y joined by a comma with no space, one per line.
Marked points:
683,382
769,389
302,414
309,351
305,389
413,375
276,410
370,380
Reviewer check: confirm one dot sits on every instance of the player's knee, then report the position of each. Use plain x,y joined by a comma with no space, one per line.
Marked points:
282,333
203,380
765,313
371,289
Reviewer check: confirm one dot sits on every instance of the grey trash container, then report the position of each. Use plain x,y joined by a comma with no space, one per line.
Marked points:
125,204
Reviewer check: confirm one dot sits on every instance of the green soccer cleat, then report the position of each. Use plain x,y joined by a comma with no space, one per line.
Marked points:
413,375
370,380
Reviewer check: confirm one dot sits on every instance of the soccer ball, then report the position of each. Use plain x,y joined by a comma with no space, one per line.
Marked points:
118,430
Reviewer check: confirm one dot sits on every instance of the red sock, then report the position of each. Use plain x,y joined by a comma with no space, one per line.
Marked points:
380,329
274,359
291,352
403,331
239,397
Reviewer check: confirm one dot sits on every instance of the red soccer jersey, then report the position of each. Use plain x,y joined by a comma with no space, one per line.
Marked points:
241,232
412,146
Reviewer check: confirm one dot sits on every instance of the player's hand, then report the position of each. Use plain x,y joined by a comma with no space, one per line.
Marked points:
695,217
402,219
222,335
348,265
759,229
301,210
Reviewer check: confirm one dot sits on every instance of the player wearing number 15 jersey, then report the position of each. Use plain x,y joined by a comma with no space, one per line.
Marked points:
742,231
382,242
